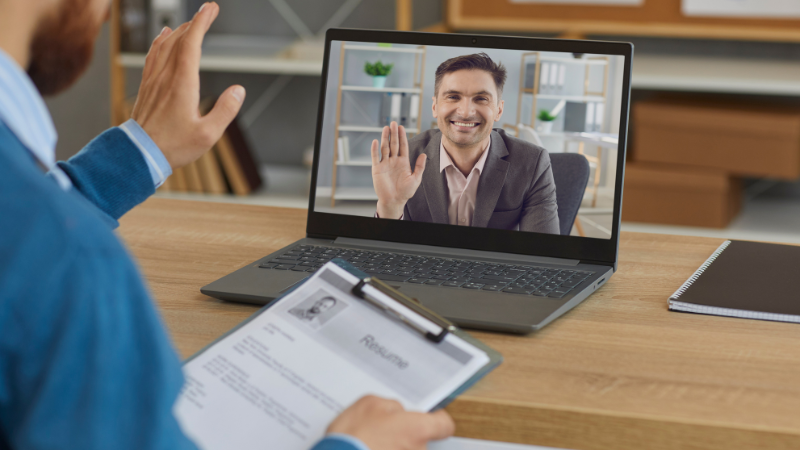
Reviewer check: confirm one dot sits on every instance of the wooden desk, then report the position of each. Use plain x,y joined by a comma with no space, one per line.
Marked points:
618,372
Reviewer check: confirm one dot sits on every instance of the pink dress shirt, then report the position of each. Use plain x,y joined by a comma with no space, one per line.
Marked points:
462,191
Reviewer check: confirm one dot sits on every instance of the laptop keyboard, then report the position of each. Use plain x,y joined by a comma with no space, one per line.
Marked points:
455,273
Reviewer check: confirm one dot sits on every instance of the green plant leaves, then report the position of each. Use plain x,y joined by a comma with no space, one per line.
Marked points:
545,116
378,69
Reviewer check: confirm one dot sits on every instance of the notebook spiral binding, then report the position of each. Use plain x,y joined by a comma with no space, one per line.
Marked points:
699,271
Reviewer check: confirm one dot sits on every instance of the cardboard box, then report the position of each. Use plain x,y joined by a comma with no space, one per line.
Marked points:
680,195
742,138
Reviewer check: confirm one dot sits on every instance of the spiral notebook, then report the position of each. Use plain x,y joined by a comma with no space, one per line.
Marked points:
750,280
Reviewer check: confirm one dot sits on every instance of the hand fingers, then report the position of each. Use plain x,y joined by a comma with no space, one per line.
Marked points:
225,110
436,426
374,151
384,143
152,54
394,142
402,141
165,49
191,46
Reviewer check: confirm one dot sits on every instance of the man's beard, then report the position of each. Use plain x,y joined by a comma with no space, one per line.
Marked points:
62,47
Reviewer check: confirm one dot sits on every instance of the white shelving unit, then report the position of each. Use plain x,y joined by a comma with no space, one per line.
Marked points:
572,98
374,89
357,163
372,129
355,193
368,193
240,64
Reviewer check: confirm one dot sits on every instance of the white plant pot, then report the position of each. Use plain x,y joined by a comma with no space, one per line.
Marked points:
545,127
378,82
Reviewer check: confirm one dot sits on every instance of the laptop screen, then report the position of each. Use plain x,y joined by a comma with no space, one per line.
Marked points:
464,136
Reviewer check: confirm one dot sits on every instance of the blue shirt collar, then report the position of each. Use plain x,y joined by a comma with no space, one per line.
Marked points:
23,111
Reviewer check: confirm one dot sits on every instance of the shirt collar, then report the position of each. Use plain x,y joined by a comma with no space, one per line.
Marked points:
23,111
445,160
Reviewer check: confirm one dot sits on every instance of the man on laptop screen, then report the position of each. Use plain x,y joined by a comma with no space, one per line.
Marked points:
481,175
517,191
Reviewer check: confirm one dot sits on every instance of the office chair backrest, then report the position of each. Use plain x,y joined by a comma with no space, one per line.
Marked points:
529,134
571,174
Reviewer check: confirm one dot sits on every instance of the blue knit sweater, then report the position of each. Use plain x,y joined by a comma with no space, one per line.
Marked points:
85,362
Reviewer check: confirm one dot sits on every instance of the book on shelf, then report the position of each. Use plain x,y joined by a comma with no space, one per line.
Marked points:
134,36
244,155
228,167
179,180
193,183
211,173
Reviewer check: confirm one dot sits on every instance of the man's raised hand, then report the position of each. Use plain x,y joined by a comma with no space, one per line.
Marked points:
167,106
392,177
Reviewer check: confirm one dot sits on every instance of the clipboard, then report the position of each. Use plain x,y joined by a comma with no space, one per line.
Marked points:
399,314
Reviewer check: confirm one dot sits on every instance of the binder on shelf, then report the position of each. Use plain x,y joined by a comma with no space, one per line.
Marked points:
394,115
343,150
386,110
166,13
404,108
413,113
575,117
544,78
562,77
554,78
134,26
530,75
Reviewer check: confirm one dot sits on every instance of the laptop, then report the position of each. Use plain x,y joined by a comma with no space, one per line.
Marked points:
485,198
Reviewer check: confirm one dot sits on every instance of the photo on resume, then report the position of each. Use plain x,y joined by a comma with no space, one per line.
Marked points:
318,309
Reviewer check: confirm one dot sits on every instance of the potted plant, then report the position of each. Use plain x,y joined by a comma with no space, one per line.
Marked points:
545,121
378,71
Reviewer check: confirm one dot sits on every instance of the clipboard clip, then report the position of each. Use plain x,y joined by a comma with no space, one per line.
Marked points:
408,302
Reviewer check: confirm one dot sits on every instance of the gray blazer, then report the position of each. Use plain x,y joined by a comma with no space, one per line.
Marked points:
516,189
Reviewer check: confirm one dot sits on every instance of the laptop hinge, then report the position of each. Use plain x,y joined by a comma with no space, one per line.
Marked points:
449,252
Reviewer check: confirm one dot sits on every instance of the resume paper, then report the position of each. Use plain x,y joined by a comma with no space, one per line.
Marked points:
281,378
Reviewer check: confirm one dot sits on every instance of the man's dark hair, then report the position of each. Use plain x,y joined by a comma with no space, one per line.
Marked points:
480,61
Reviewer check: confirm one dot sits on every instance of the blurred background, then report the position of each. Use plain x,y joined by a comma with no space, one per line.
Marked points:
714,139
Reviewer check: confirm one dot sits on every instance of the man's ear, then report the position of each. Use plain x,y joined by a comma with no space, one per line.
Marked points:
433,108
499,110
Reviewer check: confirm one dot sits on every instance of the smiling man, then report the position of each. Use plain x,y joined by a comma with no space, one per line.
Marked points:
471,174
